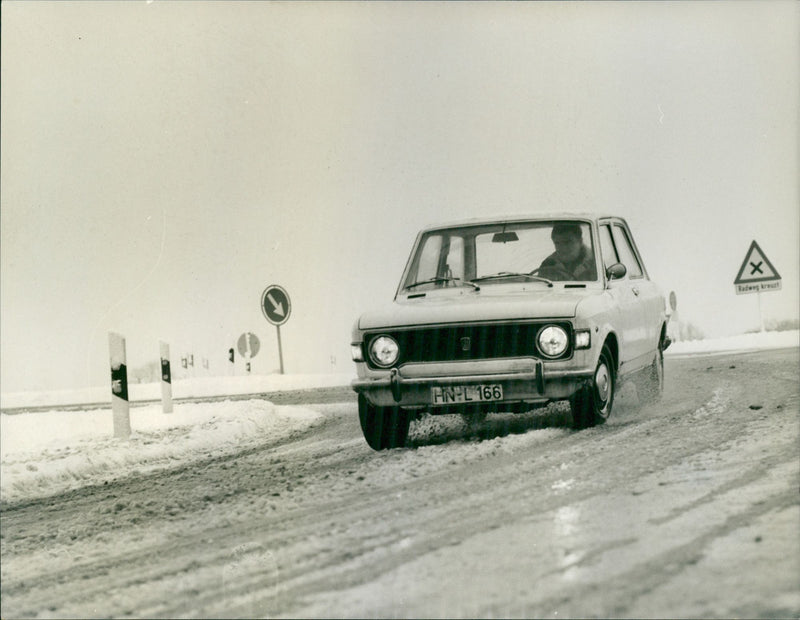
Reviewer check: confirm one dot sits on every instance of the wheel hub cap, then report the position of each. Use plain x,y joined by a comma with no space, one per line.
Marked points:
602,382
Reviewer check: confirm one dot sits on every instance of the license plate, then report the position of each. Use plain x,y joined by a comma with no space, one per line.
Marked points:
456,394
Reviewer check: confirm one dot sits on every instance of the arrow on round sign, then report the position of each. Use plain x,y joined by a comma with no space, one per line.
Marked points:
276,306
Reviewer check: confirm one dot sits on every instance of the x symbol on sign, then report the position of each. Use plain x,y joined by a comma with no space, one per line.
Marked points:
756,267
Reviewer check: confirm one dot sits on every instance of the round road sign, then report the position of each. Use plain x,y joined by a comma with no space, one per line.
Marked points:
248,343
275,304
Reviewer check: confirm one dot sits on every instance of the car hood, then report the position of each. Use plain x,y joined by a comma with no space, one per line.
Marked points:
468,305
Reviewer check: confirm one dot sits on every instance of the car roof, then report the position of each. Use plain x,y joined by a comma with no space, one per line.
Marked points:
521,217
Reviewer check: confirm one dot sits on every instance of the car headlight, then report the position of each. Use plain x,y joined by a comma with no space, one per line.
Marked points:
384,351
552,341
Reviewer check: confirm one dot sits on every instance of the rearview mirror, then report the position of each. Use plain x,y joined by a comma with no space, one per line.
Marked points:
504,237
616,271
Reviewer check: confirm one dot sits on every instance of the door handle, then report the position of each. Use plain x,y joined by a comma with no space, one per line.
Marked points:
635,290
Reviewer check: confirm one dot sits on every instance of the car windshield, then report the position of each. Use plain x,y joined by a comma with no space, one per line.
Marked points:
543,251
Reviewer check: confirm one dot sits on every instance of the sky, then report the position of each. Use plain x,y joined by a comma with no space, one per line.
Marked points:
161,164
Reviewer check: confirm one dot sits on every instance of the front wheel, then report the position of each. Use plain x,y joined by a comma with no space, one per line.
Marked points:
591,405
383,427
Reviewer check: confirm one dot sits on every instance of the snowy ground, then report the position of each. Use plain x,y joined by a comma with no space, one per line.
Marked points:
744,342
47,452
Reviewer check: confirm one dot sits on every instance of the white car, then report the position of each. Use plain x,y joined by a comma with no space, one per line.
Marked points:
510,314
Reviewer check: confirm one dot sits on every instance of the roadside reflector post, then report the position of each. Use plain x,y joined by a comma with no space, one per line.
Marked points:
119,386
166,378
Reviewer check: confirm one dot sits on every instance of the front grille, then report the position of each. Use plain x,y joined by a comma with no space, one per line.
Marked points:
467,342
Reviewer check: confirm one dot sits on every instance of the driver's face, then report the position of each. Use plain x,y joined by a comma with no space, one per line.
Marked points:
568,247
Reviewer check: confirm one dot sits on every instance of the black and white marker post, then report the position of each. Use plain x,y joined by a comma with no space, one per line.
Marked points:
166,378
119,386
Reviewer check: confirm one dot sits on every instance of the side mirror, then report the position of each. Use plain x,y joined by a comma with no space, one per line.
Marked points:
616,271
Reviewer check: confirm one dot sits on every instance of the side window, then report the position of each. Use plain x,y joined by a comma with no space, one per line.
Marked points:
441,257
626,253
607,247
429,258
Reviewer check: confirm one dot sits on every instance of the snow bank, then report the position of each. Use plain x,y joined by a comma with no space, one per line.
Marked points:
743,342
44,453
48,452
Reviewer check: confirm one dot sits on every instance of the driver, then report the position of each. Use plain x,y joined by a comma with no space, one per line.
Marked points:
572,260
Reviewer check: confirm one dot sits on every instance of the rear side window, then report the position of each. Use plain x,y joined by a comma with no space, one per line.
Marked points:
626,254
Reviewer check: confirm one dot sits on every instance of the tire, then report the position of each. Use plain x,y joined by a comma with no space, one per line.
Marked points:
383,427
591,405
650,386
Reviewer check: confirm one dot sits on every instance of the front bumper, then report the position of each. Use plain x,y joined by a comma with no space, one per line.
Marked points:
524,380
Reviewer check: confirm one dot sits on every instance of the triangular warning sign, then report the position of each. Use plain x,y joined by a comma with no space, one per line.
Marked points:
756,267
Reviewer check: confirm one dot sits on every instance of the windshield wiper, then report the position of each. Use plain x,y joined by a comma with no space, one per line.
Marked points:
439,280
540,279
510,274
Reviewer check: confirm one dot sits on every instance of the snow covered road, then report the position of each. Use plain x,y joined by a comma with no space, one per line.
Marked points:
689,508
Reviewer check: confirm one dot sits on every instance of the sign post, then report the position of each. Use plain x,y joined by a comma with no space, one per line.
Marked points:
757,274
673,327
248,345
277,307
